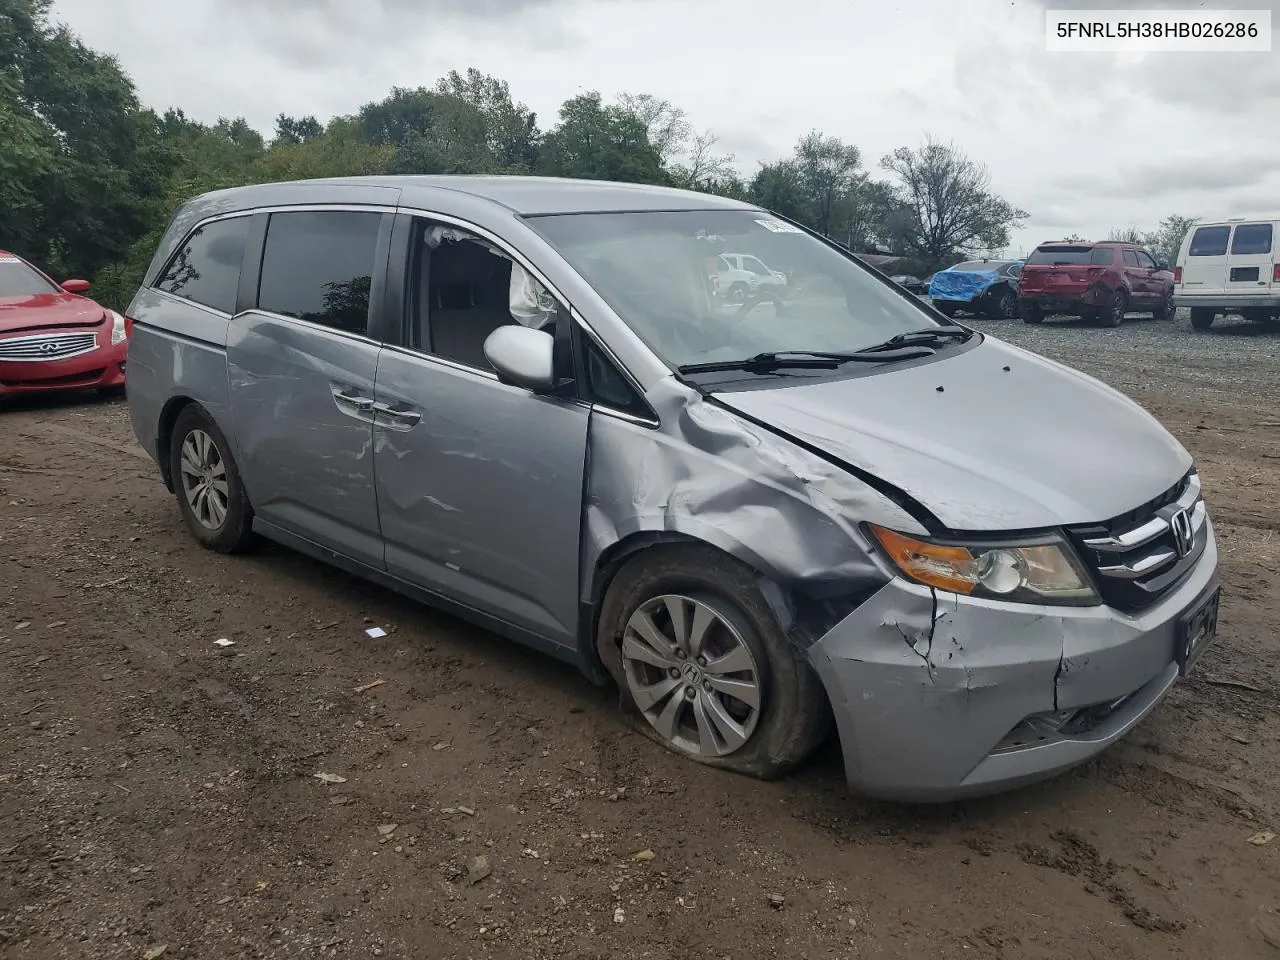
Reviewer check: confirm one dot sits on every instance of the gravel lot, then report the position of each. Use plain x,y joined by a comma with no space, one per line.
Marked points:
158,791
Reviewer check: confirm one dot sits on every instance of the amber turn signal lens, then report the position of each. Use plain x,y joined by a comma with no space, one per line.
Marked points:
947,568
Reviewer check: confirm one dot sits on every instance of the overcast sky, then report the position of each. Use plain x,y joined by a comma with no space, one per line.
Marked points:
1084,142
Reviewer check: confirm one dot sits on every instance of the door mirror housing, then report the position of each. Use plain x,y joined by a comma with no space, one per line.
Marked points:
75,286
522,356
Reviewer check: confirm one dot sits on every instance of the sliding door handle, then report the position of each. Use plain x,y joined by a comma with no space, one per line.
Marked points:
401,417
348,401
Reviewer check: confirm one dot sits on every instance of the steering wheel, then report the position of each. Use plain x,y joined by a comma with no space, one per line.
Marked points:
754,300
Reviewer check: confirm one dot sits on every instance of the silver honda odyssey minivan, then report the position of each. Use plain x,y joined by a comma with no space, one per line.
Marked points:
690,447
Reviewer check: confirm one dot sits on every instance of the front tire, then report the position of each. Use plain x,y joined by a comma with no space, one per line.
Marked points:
944,307
207,482
1166,310
701,662
1202,318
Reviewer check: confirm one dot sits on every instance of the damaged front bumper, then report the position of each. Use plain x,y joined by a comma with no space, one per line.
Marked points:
938,697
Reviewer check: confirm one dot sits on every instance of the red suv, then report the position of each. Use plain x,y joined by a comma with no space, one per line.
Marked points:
1097,281
52,338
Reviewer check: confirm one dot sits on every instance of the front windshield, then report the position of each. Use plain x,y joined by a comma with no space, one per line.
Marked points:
663,274
17,279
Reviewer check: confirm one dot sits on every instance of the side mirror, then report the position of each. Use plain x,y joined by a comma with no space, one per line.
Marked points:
75,286
522,356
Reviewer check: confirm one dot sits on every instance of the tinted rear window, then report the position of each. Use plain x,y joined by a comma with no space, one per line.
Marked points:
1252,238
1071,255
319,267
206,269
1209,242
973,266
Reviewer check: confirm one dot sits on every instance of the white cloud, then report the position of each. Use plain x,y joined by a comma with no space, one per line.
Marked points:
1084,142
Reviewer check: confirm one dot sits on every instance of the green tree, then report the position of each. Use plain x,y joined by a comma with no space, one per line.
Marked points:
777,187
296,129
91,153
511,128
599,142
827,169
1126,235
701,167
1165,241
950,206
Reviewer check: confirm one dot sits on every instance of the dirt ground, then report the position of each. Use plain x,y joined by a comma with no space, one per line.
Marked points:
158,791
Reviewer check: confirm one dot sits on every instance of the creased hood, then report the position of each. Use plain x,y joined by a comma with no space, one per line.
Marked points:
981,447
47,310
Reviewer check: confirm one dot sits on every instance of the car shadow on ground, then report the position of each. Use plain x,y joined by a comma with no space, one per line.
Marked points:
51,402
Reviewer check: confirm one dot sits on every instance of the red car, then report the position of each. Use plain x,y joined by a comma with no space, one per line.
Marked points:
52,338
1098,281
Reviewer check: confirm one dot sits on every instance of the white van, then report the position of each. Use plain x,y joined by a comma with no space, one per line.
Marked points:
1229,265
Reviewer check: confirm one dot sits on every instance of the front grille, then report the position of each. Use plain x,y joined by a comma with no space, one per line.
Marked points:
1139,556
48,346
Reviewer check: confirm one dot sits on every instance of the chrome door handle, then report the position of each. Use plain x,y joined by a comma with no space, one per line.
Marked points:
407,418
347,400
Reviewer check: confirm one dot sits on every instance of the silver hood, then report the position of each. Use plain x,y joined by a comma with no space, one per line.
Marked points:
981,447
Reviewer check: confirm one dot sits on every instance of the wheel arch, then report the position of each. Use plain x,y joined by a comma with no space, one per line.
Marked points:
169,414
804,612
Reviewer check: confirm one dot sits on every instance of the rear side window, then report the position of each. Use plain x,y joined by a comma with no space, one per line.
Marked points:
318,267
1131,258
1102,256
206,269
1252,238
1209,242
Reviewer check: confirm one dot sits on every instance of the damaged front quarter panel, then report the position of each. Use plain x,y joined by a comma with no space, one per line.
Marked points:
709,475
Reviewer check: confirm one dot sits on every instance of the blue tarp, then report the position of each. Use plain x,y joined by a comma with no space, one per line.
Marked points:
963,286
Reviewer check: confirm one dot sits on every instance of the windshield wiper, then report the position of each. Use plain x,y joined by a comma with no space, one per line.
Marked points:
810,359
928,337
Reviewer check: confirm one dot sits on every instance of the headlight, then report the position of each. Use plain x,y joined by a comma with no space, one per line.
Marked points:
1035,570
118,331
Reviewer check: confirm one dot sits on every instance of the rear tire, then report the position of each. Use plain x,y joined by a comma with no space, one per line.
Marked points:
690,711
1112,315
1004,306
945,308
207,483
1032,313
1202,317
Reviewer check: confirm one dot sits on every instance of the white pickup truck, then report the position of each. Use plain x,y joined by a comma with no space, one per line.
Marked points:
740,274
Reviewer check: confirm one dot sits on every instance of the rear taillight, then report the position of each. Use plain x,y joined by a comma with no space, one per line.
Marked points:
1177,274
1275,273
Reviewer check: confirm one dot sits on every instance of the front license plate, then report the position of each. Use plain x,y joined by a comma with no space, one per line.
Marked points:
1196,630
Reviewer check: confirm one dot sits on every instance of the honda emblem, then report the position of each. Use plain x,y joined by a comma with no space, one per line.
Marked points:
1184,537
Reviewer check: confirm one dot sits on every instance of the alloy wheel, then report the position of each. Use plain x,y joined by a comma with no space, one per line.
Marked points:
692,675
204,479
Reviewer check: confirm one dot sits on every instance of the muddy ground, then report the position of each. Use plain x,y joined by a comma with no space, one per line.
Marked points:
156,793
